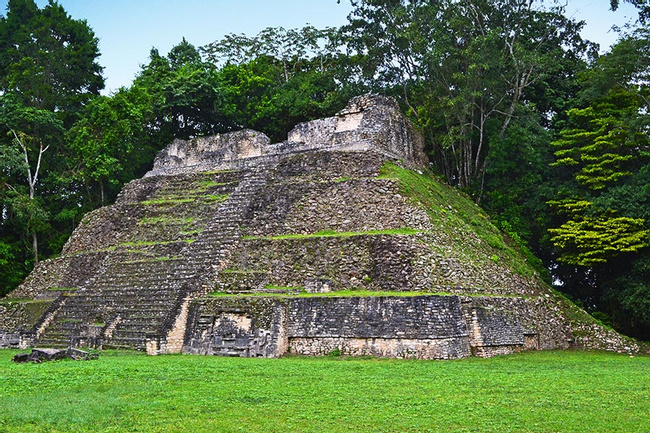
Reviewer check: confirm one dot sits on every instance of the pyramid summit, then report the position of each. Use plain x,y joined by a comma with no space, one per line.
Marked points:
333,241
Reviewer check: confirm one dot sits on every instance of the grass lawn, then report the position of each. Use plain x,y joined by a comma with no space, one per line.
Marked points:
531,392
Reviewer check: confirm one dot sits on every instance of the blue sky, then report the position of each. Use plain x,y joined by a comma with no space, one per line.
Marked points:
128,29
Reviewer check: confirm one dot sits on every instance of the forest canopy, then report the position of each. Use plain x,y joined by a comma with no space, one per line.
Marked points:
517,110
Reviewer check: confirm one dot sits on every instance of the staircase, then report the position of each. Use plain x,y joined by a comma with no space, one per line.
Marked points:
155,271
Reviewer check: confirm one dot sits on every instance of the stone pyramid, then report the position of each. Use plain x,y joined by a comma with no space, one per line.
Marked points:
333,241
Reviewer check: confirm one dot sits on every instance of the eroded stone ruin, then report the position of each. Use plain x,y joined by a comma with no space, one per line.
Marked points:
232,245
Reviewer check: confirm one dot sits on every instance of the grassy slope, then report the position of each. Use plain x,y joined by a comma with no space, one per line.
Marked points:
466,229
532,392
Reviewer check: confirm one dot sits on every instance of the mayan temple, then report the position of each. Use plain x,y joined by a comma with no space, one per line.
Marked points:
333,241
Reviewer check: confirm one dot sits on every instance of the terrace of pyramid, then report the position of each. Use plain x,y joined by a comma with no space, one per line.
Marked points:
337,240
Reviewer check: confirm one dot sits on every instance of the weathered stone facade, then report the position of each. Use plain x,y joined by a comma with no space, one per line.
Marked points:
232,245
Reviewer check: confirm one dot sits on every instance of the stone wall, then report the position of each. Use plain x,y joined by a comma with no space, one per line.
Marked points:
372,262
424,327
411,317
368,123
17,317
341,192
216,152
327,166
251,327
349,205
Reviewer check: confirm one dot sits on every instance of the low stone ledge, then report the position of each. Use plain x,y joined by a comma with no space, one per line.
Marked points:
44,355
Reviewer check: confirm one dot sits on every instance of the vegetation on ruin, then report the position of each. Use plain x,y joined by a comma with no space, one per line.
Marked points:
545,133
167,201
335,234
463,223
127,392
166,219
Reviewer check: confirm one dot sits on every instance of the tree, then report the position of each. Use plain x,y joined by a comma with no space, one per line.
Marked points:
32,131
110,141
48,72
602,224
48,57
602,144
642,5
278,78
185,98
463,68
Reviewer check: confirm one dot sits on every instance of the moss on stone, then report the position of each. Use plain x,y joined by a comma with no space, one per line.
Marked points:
216,198
465,223
335,234
167,201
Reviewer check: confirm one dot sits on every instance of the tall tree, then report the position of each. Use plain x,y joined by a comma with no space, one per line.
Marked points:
111,143
603,224
48,57
184,94
48,72
33,131
462,68
280,77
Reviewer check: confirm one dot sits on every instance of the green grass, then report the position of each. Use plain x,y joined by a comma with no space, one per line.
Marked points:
12,301
165,219
151,243
216,198
532,392
335,234
167,201
469,228
207,184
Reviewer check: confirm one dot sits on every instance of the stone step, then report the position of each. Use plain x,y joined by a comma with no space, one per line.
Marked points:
142,291
114,346
54,344
126,343
122,334
143,298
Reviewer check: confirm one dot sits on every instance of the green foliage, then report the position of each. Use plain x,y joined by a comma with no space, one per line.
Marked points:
602,142
463,69
626,294
48,57
167,201
602,145
48,71
529,392
586,241
110,132
166,220
280,77
184,95
603,207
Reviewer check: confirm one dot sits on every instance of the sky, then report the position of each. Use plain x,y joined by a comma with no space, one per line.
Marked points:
128,29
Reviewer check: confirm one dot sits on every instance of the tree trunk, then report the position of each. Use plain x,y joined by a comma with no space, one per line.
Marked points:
35,246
